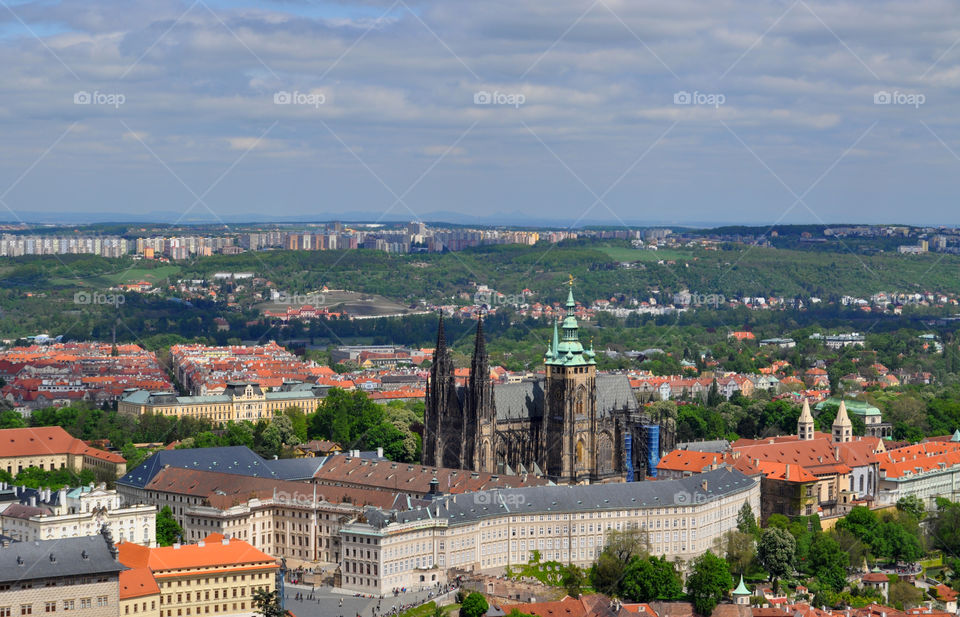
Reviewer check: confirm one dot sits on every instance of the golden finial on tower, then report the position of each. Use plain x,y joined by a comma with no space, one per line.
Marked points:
571,281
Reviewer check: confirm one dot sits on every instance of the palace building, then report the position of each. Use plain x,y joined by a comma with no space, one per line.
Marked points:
489,531
571,425
239,401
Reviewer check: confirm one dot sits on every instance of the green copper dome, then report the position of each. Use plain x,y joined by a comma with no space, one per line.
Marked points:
741,589
566,349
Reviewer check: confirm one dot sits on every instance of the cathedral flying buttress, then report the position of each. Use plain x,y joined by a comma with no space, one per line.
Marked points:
571,425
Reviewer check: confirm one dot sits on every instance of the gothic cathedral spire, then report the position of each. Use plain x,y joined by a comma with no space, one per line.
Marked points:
441,399
479,425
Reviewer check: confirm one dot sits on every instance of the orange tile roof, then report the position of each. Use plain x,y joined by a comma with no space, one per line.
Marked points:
689,460
568,607
785,471
946,593
862,452
816,455
919,458
165,560
48,440
136,583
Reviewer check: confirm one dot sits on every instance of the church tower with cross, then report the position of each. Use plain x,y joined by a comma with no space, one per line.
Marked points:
569,444
569,425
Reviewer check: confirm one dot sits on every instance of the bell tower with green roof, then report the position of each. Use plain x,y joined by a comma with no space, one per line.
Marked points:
570,402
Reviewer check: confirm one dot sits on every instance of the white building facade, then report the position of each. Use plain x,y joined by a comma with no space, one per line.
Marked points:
78,512
490,530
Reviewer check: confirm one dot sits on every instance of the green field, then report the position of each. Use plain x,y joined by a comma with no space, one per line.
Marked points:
619,253
132,275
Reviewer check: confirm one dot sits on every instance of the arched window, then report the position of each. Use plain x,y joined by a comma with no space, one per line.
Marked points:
605,455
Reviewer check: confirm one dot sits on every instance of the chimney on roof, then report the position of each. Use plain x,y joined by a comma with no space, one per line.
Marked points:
786,473
176,546
703,485
225,541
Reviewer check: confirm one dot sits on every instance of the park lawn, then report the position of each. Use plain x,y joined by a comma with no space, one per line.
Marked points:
426,610
619,253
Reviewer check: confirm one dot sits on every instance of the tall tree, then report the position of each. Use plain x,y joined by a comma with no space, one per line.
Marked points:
775,551
168,529
747,520
650,578
709,580
572,580
828,562
739,549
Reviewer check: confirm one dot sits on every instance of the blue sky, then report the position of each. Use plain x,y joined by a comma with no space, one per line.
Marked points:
597,111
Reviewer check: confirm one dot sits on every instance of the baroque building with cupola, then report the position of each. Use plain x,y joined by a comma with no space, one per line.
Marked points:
570,425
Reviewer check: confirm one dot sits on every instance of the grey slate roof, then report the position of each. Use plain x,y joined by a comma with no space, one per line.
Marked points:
296,468
22,561
614,392
710,445
239,460
520,401
471,507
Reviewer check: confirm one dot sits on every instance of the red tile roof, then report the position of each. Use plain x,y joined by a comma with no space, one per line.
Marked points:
136,583
45,440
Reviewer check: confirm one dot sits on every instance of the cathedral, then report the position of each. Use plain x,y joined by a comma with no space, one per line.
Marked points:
569,425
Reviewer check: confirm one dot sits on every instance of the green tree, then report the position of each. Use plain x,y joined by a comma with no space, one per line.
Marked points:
708,582
747,520
168,529
775,551
904,595
851,545
474,605
606,574
897,543
239,434
827,562
778,521
650,578
11,419
267,603
861,521
913,505
572,580
298,421
739,549
626,544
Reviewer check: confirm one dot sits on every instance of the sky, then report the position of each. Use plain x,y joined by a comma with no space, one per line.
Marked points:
569,112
